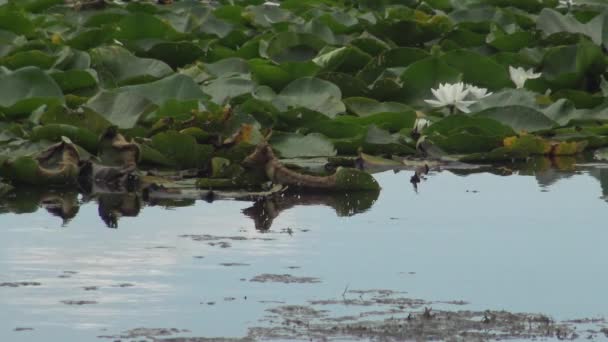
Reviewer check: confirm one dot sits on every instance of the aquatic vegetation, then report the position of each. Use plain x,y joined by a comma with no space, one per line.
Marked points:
193,85
452,96
519,76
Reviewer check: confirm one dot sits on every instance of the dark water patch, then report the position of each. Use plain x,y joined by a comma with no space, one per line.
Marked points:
23,329
123,285
207,237
79,302
221,244
233,264
20,284
308,323
284,278
150,333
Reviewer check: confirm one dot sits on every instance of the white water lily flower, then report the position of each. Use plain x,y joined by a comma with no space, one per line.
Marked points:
270,3
420,124
478,93
452,96
519,75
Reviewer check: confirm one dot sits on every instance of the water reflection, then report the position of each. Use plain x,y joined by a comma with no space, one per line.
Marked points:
65,203
264,211
111,206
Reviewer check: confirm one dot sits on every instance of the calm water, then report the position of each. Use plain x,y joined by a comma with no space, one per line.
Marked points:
523,243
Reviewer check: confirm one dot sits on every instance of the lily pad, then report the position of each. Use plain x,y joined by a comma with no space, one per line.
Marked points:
182,149
311,93
57,165
116,66
519,118
291,145
365,107
27,89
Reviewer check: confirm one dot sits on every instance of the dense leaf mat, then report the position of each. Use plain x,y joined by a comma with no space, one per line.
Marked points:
105,89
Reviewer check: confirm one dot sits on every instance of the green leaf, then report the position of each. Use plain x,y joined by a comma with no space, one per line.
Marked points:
568,66
227,67
56,165
399,57
22,59
265,73
116,66
380,141
182,149
464,134
421,76
122,109
353,179
390,121
175,54
83,118
73,80
519,118
344,59
311,93
363,107
475,69
54,132
350,86
292,145
292,47
144,26
512,42
27,89
552,22
16,22
226,88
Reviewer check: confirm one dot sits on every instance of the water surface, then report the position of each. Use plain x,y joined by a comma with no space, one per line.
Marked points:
532,242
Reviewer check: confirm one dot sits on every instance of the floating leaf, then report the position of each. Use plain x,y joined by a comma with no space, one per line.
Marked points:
226,88
364,106
117,66
463,134
291,145
57,165
519,118
26,89
421,76
311,93
54,132
182,149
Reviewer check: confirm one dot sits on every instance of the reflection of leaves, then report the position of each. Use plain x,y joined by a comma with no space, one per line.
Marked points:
601,174
112,206
61,204
263,212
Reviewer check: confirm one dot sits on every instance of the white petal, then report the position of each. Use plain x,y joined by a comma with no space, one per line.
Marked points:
463,108
438,95
435,103
444,93
463,94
